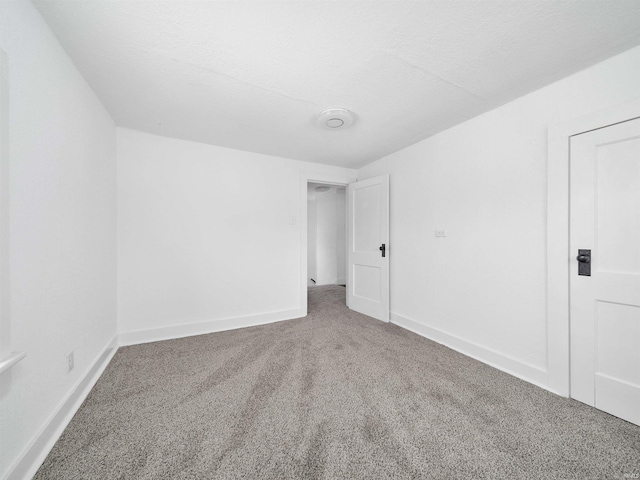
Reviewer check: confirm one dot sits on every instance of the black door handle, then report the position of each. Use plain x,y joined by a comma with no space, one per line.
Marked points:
584,265
383,249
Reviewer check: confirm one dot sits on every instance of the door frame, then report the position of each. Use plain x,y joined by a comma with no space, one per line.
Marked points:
558,254
305,178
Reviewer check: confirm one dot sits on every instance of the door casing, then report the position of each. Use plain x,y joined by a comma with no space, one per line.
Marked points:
314,177
558,254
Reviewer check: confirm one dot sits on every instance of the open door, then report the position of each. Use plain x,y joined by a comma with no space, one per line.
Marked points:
368,247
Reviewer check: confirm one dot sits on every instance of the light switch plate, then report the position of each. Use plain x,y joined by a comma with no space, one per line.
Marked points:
440,232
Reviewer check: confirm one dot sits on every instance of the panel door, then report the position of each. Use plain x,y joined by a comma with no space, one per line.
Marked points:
368,247
605,305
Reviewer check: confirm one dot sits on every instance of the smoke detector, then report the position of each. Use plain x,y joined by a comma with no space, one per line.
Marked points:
334,118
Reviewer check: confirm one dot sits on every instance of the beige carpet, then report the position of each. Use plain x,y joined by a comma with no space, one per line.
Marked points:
333,395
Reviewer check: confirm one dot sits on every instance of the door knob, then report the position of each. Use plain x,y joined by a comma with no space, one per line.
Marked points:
584,265
383,249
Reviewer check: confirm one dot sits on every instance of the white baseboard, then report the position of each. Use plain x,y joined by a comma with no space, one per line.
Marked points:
135,337
525,371
28,463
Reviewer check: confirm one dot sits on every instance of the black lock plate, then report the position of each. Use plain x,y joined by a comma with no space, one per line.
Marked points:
584,262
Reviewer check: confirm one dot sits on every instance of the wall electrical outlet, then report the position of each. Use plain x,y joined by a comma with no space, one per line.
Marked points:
441,232
70,362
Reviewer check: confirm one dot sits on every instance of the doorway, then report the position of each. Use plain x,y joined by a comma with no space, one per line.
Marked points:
326,234
366,237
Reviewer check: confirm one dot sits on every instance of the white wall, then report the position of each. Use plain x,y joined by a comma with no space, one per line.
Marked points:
341,235
326,251
62,213
208,237
482,288
330,241
312,227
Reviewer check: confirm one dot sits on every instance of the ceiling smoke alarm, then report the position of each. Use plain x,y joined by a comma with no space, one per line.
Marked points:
334,118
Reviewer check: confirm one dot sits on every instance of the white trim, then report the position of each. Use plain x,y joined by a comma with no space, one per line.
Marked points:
30,460
558,255
5,283
170,332
314,177
517,368
11,360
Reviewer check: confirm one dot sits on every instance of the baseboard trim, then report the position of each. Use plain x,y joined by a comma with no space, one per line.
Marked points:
28,463
525,371
136,337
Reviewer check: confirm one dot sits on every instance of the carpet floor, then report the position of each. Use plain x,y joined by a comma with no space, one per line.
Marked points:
334,395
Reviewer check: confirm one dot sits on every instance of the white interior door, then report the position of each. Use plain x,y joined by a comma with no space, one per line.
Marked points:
368,247
605,306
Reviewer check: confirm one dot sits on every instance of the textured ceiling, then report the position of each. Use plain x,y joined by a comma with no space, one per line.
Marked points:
253,75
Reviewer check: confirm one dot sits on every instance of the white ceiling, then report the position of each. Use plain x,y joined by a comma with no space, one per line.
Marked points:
253,75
